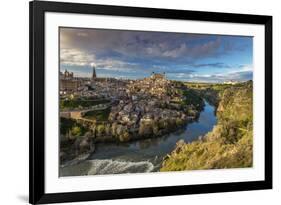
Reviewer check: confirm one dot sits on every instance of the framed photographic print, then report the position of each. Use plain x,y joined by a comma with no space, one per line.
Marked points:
140,102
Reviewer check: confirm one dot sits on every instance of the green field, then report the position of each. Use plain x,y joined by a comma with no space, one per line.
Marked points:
98,115
80,103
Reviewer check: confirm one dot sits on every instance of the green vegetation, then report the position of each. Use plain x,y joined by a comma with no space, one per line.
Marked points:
230,143
192,98
71,128
80,103
98,115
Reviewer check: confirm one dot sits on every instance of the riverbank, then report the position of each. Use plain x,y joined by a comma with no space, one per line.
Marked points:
141,155
229,144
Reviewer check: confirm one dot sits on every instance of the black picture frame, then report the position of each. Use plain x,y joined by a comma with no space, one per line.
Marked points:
37,9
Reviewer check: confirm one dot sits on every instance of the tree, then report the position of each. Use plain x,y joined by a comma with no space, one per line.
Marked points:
76,131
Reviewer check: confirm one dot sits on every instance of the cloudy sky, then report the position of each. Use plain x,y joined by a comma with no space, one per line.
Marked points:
136,54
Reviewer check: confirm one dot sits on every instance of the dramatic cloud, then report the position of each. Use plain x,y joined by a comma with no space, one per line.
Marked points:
180,55
74,56
135,43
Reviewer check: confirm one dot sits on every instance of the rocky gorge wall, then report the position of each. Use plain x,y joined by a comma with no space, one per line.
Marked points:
229,144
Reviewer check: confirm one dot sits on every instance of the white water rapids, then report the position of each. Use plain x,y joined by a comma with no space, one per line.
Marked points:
106,166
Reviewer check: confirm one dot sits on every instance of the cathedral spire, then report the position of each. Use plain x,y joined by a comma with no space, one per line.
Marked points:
94,75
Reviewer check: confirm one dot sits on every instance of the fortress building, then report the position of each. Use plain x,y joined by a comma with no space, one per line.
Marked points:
67,82
66,74
158,76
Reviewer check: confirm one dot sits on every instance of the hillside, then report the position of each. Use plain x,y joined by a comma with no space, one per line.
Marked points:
230,143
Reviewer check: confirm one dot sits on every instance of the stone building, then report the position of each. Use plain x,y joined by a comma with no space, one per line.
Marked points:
68,82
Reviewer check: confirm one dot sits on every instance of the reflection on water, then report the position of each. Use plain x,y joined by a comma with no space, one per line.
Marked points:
142,155
155,149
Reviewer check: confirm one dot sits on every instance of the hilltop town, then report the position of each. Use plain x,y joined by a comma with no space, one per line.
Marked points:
120,110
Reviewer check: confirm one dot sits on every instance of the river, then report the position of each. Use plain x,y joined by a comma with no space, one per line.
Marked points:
142,155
